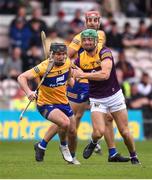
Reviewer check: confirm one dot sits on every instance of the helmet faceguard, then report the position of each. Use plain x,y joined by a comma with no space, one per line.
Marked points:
92,19
91,36
59,53
94,14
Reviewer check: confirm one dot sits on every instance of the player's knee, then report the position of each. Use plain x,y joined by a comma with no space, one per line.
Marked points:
65,123
125,133
98,133
78,116
72,131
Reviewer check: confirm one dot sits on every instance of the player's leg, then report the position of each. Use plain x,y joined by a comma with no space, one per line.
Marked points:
63,122
78,110
114,156
121,119
117,107
98,124
41,146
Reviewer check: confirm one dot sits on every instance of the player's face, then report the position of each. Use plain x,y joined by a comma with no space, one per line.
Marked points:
92,23
59,58
88,44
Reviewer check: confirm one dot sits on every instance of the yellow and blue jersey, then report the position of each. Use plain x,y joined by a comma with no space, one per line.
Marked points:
53,88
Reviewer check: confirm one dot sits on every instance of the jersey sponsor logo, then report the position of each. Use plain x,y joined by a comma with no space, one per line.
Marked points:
61,78
36,69
76,41
60,81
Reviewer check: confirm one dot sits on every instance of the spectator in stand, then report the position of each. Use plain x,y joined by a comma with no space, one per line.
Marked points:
125,66
20,34
77,24
8,6
32,58
2,64
21,13
137,100
133,9
114,38
13,64
37,16
107,24
127,35
142,37
150,26
61,25
125,85
35,27
145,86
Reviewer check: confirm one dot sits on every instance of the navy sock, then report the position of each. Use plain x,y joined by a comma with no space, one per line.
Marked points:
63,143
73,154
133,154
93,141
43,143
112,151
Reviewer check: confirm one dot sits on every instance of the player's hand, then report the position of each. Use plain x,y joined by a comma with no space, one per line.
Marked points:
78,73
32,95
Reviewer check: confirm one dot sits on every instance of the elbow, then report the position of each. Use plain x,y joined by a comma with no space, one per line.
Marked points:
19,78
105,76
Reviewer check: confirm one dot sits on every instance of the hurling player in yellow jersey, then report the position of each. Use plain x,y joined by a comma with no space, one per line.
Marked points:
52,102
97,65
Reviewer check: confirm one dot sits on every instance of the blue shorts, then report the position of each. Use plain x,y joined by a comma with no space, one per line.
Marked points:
46,109
79,93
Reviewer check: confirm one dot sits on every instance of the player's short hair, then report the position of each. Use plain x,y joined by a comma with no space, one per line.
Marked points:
58,47
94,14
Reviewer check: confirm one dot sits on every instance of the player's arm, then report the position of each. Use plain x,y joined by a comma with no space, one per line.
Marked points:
103,74
74,46
23,82
33,73
106,66
71,80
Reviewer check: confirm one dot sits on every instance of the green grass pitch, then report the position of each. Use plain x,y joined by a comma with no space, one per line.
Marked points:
17,161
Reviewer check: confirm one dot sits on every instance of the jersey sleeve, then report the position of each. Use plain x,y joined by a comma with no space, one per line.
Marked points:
76,43
105,54
102,37
40,69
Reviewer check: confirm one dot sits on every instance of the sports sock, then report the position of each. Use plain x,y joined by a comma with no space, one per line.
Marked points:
93,141
133,154
63,143
112,152
73,154
43,143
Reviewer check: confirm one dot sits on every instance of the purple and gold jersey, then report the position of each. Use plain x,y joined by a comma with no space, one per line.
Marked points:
99,89
53,88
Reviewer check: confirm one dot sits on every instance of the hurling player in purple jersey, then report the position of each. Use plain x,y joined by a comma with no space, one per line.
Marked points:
97,65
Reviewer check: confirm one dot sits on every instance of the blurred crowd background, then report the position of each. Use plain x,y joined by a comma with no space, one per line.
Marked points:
128,28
